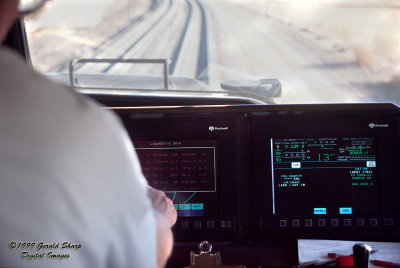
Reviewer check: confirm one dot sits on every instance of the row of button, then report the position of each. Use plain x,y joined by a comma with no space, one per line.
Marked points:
208,224
335,222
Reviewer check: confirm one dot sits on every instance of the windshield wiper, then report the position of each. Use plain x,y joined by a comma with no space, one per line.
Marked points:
263,90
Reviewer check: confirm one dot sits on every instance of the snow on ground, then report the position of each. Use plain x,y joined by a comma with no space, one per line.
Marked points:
68,29
366,31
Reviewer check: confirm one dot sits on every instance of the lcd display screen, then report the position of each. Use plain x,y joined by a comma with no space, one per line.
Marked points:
184,170
324,176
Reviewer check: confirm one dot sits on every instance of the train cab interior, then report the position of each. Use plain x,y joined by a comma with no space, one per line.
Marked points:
259,177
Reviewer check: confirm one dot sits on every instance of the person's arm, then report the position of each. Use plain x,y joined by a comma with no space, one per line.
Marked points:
165,215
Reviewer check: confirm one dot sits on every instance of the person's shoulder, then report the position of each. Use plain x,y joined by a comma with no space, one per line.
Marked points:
20,79
33,92
38,105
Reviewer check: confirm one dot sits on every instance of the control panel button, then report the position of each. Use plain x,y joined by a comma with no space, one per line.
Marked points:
197,224
282,223
360,222
196,213
184,224
210,224
319,211
295,223
347,222
184,206
296,165
373,222
321,222
183,213
334,222
199,206
388,222
308,222
345,210
225,224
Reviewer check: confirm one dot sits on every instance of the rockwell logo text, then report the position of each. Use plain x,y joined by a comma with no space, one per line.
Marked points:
374,125
213,128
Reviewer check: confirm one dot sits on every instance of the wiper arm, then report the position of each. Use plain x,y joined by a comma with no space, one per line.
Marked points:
266,88
75,62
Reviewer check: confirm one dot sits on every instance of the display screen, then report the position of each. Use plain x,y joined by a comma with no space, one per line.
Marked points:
184,170
324,176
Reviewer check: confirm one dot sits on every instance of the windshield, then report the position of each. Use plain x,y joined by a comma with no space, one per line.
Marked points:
321,51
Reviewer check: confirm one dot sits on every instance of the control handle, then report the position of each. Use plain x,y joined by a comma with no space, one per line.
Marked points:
206,259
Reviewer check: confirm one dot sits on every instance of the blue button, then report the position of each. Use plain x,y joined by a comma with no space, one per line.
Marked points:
176,206
183,213
199,206
319,211
184,206
196,213
345,211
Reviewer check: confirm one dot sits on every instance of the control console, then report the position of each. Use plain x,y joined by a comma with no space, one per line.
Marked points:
252,173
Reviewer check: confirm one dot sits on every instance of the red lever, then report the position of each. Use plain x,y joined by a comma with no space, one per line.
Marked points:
345,261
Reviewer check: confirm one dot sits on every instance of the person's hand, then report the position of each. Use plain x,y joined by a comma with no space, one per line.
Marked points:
165,215
163,204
